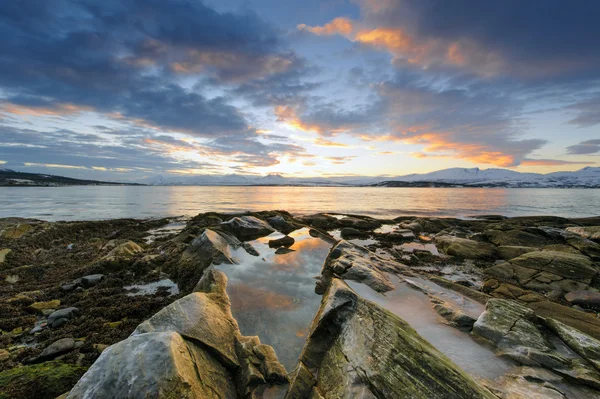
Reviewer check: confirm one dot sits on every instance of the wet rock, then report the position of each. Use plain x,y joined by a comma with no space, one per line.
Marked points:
453,315
91,280
4,253
585,299
468,292
281,224
320,220
590,232
582,344
155,365
585,322
351,232
529,382
359,223
58,348
62,314
201,317
211,245
41,306
250,249
465,248
516,237
68,287
283,251
358,349
285,241
510,327
357,263
125,250
510,252
247,227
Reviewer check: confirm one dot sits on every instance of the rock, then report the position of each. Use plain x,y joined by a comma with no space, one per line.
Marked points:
211,245
302,381
357,263
582,344
571,266
528,382
465,248
359,350
250,249
453,315
16,231
125,250
40,306
4,355
155,365
202,317
510,252
271,368
363,223
285,241
281,224
351,232
12,279
100,347
64,314
57,348
3,253
510,327
585,299
68,287
91,280
515,237
283,251
320,221
590,232
466,291
585,322
247,227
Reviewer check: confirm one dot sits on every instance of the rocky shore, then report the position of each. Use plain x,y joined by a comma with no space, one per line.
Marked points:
274,305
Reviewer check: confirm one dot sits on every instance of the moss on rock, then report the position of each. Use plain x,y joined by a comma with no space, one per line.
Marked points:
45,380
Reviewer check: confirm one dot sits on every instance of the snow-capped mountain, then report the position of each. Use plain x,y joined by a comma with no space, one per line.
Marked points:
586,177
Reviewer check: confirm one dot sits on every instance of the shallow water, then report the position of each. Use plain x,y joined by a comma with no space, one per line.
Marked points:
152,288
411,246
273,296
414,307
97,202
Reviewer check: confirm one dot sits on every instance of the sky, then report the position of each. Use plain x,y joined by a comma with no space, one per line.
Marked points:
130,89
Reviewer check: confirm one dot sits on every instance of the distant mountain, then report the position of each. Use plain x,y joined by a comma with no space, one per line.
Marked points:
588,177
9,177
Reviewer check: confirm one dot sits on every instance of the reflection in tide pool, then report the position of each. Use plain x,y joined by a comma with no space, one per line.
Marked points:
273,296
414,307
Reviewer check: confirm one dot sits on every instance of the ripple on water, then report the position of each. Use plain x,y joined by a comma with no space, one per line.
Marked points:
273,296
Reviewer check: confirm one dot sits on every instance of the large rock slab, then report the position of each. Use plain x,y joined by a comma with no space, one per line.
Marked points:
583,321
198,316
155,365
247,227
590,232
585,299
582,344
212,245
517,237
356,349
465,248
567,265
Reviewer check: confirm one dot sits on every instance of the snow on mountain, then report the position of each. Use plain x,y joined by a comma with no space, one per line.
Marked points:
586,177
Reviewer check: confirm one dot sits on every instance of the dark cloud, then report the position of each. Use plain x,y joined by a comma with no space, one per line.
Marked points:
587,112
585,147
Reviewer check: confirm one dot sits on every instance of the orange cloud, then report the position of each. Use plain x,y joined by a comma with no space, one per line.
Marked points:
339,26
321,142
288,115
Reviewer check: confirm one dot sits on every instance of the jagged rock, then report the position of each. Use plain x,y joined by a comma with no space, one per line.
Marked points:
585,299
155,365
465,248
285,241
362,350
590,232
302,382
281,224
510,252
200,317
584,345
357,263
453,315
510,327
247,227
271,368
211,245
250,249
571,266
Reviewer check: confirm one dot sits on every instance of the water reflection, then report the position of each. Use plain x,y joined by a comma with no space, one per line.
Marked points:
414,307
273,296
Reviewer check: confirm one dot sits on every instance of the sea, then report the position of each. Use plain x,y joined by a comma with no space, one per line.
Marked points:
109,202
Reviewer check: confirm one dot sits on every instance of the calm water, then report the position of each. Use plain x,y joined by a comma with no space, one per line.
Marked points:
79,203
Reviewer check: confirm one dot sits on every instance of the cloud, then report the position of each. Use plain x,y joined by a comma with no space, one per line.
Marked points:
338,26
585,148
588,112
